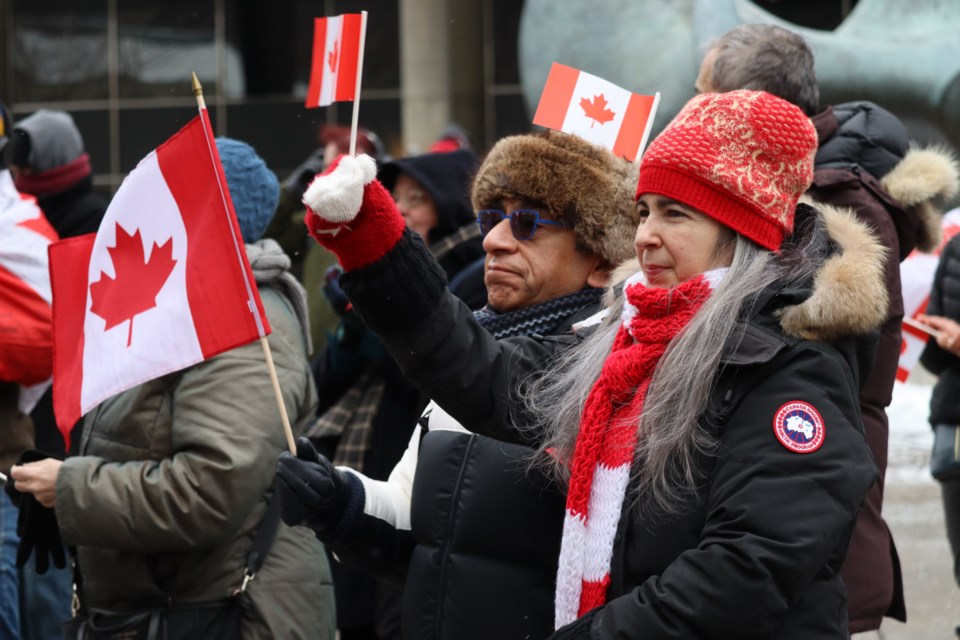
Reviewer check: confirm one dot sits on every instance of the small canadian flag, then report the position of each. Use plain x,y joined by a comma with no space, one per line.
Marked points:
599,111
336,58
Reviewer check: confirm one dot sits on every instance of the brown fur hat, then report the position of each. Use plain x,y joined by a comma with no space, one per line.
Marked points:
579,182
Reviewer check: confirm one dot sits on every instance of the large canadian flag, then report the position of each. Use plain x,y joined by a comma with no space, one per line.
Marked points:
26,340
336,57
582,104
163,284
916,280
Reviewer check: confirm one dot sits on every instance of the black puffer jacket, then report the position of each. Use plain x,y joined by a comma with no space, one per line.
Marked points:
758,555
475,510
945,301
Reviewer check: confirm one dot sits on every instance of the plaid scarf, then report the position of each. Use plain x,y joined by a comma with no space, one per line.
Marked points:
603,453
544,318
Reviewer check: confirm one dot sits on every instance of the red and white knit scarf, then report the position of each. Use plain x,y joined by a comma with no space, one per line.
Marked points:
600,469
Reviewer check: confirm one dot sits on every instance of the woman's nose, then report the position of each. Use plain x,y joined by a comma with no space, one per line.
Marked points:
647,235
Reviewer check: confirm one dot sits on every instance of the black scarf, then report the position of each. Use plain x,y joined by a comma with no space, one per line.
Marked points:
544,318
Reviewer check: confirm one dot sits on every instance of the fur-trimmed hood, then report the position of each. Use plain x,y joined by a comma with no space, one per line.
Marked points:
922,181
849,293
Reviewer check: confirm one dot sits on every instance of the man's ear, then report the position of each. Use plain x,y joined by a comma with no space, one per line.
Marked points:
600,274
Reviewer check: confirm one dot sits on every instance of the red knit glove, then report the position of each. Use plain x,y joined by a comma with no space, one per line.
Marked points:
352,214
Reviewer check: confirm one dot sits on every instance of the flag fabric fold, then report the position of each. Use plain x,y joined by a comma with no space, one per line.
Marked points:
597,110
162,285
26,340
335,61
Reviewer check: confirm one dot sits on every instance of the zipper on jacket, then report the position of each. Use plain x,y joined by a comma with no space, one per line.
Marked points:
448,542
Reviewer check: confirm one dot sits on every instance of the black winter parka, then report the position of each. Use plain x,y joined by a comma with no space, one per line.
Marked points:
758,553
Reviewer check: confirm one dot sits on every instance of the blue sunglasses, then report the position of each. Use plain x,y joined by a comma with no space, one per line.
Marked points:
523,222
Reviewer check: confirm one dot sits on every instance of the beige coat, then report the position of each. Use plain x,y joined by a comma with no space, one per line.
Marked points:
173,480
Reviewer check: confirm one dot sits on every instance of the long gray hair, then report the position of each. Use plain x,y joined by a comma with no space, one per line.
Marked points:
672,434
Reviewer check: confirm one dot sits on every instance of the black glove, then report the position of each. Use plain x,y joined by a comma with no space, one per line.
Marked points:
351,331
334,294
313,492
37,525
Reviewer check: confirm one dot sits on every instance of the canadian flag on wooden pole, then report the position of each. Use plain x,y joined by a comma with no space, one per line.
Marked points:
337,59
599,111
162,285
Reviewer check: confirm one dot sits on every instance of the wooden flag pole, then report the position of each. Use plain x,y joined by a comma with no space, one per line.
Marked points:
356,90
268,356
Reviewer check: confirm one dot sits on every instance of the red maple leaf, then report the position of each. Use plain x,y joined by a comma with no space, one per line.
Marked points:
596,110
332,56
138,281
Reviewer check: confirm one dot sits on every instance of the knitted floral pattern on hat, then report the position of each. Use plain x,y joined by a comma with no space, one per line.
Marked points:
744,158
600,468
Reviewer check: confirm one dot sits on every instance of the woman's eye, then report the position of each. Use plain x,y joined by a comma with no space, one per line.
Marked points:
644,214
676,213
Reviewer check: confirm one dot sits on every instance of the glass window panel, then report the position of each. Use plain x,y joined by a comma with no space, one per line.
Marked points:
285,133
159,45
142,130
59,50
510,115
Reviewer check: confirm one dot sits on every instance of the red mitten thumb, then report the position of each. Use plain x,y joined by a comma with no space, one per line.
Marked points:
350,213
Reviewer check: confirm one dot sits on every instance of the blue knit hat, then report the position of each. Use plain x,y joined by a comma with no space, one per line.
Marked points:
253,187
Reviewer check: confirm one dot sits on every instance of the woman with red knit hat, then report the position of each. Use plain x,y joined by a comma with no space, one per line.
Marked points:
707,428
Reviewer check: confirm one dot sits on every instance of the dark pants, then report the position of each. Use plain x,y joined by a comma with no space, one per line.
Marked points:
950,490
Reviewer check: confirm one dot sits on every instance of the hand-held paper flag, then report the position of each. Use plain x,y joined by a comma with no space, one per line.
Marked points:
916,280
336,59
26,340
596,110
162,285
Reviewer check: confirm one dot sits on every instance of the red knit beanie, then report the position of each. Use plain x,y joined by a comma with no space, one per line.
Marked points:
744,158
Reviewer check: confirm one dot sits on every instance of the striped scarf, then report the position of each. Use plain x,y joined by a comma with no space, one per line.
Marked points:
544,318
603,453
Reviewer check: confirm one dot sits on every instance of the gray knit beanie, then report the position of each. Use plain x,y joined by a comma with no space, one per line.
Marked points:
46,140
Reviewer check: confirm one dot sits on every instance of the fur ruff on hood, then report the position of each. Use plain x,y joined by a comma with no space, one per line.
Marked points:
849,291
922,181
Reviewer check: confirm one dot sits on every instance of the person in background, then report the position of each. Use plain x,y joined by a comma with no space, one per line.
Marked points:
26,362
173,477
941,357
708,431
368,409
48,160
557,213
864,162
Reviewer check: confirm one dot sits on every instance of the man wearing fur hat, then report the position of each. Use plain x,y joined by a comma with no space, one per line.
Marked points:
475,538
864,162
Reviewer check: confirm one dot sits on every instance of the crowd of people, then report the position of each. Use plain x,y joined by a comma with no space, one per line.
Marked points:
545,393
